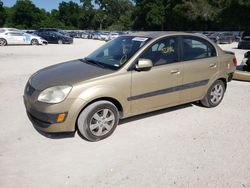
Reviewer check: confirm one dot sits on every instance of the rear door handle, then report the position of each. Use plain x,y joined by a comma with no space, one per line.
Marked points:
175,72
212,65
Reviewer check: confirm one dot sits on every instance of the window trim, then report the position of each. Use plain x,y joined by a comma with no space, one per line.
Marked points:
199,38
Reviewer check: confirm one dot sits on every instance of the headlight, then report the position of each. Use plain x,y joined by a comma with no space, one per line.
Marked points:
54,94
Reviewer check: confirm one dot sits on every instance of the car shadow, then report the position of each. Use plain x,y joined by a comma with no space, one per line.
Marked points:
155,113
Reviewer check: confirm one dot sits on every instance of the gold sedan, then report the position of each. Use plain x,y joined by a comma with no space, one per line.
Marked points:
129,75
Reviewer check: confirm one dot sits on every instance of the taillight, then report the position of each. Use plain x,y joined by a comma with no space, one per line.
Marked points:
235,61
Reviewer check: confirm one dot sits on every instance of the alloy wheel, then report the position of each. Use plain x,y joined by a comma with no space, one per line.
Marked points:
2,42
216,94
102,122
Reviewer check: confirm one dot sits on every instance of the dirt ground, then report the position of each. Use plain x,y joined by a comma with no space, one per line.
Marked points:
185,146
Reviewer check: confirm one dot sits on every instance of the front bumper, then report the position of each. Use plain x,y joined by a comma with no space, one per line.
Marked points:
44,120
44,116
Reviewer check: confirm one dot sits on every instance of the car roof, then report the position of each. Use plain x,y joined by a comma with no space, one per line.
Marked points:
157,34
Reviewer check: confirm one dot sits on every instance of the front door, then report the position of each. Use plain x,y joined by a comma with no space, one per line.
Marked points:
157,87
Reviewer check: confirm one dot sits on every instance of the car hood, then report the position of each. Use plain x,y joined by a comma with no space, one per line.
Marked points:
67,73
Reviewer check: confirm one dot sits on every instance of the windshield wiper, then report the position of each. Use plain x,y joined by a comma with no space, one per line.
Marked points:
95,62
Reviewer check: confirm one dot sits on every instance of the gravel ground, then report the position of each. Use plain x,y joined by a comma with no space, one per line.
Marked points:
185,146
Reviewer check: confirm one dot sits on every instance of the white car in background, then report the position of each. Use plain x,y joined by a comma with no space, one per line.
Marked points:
104,36
113,35
15,36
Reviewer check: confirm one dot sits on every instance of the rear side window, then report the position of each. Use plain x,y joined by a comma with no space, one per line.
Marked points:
196,48
15,34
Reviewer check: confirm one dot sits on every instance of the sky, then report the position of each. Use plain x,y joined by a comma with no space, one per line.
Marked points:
48,5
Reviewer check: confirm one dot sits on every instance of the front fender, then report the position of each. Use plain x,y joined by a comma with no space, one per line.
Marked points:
106,91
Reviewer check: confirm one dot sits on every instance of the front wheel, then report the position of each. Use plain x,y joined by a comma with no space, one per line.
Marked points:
34,42
98,120
214,94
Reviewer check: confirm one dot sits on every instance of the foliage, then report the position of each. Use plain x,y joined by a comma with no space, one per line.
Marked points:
128,15
2,14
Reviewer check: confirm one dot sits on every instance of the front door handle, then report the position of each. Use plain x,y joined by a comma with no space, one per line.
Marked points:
175,72
212,65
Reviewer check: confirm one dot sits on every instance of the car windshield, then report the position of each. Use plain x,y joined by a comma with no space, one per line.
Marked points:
117,52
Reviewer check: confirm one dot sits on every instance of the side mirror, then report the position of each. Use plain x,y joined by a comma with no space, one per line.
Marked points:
144,65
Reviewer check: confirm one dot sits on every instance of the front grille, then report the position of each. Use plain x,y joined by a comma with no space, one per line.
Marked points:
29,90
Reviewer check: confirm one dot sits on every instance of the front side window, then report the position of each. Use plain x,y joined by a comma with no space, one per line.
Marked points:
197,48
117,52
164,51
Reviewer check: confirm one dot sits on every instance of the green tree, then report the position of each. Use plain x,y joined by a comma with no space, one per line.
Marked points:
25,14
115,11
51,20
87,15
69,14
2,14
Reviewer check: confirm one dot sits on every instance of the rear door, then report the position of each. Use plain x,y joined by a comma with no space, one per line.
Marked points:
200,64
15,38
157,87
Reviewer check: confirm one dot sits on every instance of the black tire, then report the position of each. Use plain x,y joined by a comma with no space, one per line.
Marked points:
34,42
3,42
93,130
213,98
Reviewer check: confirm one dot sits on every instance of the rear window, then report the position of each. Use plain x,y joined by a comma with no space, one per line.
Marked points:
2,30
197,48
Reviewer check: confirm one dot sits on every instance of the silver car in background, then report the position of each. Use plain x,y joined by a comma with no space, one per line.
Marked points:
15,36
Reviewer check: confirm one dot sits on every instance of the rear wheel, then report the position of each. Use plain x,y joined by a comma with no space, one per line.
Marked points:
60,42
214,94
3,42
98,120
34,42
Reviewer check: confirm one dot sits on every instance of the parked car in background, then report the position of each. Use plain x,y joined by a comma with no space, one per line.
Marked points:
113,35
127,76
104,36
30,32
55,37
84,35
74,34
52,30
96,35
15,36
90,34
244,42
222,37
